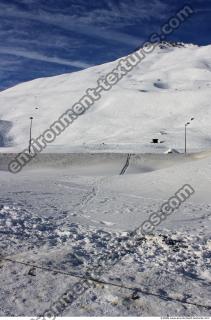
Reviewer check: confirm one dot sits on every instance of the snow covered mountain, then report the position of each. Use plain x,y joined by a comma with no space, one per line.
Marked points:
154,100
66,218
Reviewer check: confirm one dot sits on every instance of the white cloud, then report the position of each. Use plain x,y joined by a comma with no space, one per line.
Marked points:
98,22
73,23
37,56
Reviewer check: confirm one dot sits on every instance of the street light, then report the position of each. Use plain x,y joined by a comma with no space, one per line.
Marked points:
187,124
30,134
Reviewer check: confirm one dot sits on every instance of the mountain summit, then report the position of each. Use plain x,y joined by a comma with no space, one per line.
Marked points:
169,44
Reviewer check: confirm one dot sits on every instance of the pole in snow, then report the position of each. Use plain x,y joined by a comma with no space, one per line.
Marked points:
30,134
187,123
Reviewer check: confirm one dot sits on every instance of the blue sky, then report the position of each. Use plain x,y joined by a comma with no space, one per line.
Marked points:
49,37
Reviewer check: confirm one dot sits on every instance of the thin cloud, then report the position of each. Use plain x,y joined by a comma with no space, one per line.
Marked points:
71,23
40,57
99,22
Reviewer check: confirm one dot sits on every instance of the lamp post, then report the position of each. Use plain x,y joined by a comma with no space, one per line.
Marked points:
187,123
30,134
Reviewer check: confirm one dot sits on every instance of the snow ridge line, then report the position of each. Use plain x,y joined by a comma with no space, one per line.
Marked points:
133,289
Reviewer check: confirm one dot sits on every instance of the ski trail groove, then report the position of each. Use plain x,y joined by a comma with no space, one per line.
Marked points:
126,164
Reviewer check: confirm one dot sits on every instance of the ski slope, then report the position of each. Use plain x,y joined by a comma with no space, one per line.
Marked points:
154,100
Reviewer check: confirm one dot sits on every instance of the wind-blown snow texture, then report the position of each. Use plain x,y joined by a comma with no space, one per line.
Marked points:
58,213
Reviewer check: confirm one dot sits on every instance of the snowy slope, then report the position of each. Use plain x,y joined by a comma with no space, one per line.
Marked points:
56,221
171,85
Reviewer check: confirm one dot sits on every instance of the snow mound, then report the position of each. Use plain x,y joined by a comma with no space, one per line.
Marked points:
171,151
